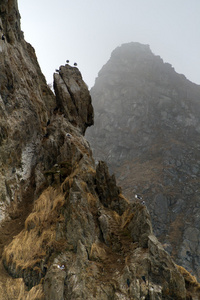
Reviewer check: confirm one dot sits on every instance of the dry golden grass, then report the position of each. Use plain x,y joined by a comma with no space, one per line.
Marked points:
67,184
32,244
126,218
92,201
98,252
121,196
115,217
191,284
36,293
189,278
11,289
81,147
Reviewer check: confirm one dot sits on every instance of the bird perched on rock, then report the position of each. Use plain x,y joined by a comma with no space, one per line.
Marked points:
57,70
138,197
3,37
61,267
67,61
75,64
68,135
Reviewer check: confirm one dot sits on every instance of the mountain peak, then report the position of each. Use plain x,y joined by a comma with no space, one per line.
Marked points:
146,129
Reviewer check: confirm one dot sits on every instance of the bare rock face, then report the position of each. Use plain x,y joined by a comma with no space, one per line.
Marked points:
10,21
67,232
147,129
109,193
26,103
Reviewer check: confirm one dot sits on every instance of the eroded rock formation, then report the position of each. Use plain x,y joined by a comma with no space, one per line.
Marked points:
147,129
77,107
67,232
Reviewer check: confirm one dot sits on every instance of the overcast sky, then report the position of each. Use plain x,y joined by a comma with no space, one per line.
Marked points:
87,31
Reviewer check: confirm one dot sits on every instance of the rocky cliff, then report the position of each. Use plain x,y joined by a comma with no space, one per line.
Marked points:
66,230
147,129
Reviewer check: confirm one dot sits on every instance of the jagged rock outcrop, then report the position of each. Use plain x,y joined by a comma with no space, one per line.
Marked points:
82,256
68,85
147,129
67,232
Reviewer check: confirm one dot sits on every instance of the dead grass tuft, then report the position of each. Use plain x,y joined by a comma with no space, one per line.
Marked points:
127,217
98,253
91,199
67,184
124,198
191,284
36,293
116,217
32,246
12,289
189,278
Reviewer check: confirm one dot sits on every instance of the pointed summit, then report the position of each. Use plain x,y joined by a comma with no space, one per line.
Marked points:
147,129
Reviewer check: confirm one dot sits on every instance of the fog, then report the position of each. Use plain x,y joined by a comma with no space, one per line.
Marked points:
87,31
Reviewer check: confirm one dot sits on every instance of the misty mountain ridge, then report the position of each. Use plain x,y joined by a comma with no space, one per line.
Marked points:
147,129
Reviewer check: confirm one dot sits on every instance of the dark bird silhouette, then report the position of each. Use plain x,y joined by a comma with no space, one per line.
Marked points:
128,282
67,61
75,64
143,277
57,70
3,37
48,122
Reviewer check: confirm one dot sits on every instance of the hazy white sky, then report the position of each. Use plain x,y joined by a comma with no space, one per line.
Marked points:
87,31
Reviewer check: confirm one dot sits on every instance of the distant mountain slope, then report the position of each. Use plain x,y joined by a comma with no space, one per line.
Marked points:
147,128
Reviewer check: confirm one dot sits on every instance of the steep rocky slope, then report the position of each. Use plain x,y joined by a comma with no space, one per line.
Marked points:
66,230
147,129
